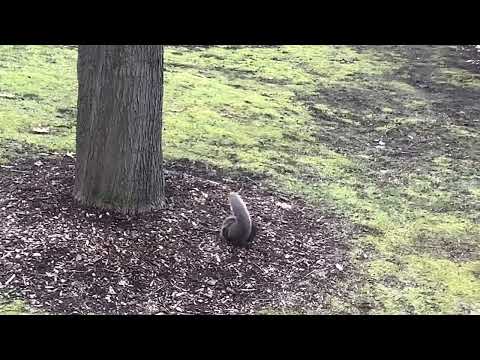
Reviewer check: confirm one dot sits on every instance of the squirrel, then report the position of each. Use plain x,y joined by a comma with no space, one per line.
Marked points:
238,229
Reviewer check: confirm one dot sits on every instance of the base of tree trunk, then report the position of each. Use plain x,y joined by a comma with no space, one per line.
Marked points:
118,207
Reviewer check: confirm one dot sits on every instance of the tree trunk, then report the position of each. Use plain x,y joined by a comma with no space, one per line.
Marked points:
119,127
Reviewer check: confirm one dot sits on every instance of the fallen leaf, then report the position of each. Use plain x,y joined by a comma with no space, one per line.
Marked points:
40,130
284,205
212,282
7,96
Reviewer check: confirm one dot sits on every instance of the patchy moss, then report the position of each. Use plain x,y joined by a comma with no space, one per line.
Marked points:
429,286
475,192
458,77
15,307
385,135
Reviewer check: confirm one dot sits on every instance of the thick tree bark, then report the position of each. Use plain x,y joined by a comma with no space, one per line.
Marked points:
119,127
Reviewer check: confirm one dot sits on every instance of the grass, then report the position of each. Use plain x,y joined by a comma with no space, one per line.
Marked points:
313,119
15,307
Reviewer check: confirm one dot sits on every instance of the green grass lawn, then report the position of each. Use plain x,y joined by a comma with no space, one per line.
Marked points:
386,135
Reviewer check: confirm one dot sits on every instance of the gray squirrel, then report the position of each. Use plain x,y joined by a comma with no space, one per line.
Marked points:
238,229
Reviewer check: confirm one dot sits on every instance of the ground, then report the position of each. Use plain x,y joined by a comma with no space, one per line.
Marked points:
69,259
375,146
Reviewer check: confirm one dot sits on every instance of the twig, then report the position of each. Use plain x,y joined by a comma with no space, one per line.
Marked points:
212,182
14,170
10,279
263,271
177,287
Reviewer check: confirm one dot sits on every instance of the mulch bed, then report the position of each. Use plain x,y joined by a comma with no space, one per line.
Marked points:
62,258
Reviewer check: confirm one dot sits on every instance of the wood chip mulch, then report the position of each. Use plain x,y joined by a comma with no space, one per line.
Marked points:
62,258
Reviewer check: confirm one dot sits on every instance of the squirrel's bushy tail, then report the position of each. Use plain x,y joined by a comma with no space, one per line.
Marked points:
238,228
